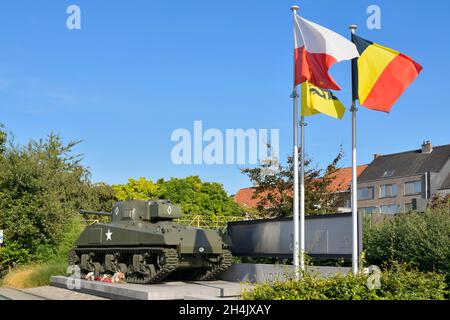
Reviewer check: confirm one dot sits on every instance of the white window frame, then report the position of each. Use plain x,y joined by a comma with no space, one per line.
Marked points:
386,188
414,193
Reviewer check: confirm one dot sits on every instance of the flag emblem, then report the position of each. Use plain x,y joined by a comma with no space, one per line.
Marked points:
317,100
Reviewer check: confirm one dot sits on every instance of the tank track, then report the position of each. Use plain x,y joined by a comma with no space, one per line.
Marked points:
170,257
225,262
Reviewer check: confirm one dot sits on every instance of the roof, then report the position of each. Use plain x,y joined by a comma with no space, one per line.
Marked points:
406,164
341,183
245,197
344,178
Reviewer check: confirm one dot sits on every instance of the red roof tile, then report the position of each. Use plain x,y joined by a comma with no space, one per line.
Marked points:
245,197
344,178
341,183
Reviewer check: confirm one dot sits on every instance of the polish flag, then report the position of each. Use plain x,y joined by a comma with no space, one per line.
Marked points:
316,50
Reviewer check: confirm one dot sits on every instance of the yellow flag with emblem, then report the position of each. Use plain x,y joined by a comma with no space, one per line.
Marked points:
317,100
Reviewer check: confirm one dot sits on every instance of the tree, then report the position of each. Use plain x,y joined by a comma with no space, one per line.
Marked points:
42,187
196,197
141,189
3,138
274,190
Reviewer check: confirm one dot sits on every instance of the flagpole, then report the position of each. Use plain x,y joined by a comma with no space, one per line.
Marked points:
302,192
295,205
354,173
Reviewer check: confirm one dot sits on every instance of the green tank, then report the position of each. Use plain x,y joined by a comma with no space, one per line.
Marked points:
144,243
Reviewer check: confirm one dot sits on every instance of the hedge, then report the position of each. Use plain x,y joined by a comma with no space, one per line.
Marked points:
399,282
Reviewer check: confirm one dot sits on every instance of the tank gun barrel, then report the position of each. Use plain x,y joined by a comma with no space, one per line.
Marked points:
98,213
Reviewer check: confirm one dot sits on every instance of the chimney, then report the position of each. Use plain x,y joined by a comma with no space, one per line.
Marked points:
376,156
427,147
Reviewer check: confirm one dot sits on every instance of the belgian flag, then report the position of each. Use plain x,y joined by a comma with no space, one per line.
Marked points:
380,75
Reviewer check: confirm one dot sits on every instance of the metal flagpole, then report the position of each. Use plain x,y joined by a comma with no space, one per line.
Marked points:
354,174
302,193
296,251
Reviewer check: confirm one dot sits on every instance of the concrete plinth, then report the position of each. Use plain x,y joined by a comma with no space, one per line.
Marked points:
258,273
165,291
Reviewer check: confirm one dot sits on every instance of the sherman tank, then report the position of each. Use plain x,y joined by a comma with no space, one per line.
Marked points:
143,241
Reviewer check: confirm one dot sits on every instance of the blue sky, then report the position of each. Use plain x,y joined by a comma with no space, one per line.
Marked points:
137,70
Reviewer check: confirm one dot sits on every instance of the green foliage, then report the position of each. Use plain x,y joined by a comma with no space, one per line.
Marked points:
3,138
42,187
403,282
195,196
398,283
310,287
419,238
13,253
274,191
141,189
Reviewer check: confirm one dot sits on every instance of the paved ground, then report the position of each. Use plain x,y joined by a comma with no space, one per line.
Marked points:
54,293
14,294
171,290
93,290
44,293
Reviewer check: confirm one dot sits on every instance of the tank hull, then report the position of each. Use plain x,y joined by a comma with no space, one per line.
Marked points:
135,234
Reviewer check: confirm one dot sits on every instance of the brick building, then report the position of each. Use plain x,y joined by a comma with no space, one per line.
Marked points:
403,181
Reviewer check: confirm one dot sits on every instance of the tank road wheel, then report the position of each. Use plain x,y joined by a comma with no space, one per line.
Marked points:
141,271
152,266
211,273
98,268
112,264
161,259
123,268
142,266
89,265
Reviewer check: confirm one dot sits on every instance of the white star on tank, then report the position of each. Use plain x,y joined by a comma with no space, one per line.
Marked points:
108,235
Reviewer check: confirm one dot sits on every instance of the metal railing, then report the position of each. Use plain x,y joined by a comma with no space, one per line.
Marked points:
200,221
90,222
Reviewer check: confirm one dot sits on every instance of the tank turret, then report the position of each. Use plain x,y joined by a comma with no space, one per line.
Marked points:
156,210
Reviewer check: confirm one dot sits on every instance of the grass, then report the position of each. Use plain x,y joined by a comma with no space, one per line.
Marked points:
36,275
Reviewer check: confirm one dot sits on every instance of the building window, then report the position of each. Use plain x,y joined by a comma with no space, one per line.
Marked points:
388,191
390,209
414,187
365,193
408,207
388,173
368,210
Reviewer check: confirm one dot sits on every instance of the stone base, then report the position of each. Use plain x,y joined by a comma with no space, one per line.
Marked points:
165,291
258,273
